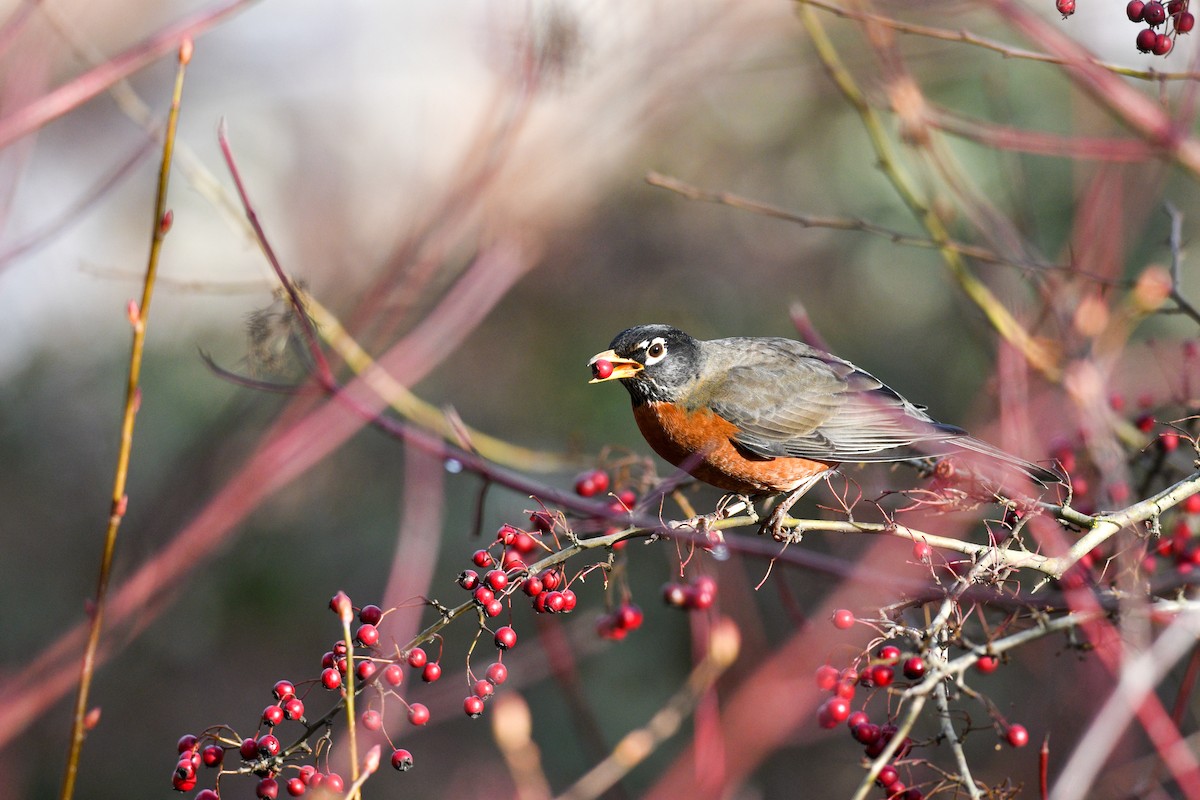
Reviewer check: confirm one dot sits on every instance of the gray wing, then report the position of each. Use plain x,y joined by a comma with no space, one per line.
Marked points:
788,399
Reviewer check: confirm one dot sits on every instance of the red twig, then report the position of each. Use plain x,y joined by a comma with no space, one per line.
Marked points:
54,104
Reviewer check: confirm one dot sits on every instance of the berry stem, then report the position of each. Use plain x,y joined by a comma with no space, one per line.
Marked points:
350,720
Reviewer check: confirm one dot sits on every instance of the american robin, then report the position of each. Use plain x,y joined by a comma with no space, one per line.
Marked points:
773,416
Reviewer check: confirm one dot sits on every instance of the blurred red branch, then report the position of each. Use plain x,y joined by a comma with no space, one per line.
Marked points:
54,104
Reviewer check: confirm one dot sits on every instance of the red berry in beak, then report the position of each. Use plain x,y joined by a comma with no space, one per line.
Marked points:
602,369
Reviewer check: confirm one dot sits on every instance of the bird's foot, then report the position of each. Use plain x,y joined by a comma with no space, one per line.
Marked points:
776,524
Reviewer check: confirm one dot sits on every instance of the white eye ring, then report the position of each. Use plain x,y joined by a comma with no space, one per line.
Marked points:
656,351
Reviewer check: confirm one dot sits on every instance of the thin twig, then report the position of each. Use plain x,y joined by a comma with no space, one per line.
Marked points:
1035,352
139,315
732,200
942,699
963,36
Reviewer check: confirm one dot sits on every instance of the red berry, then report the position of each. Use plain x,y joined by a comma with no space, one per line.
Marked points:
370,615
327,659
1017,736
507,534
601,369
331,678
371,720
524,544
914,668
432,671
833,712
483,688
629,617
882,675
473,705
418,714
1065,7
867,733
483,559
843,618
1154,14
889,654
506,638
827,677
483,595
293,708
468,579
180,784
339,648
249,749
592,483
542,521
307,773
1145,43
1135,10
186,742
496,579
267,789
268,745
569,600
494,608
887,777
497,673
402,760
365,670
296,787
213,755
393,674
367,635
283,690
1184,24
987,664
1191,504
675,595
922,552
417,658
334,783
553,602
272,715
185,770
207,794
857,718
550,579
532,586
1162,45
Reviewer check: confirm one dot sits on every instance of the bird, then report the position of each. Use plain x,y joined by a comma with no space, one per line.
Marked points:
769,416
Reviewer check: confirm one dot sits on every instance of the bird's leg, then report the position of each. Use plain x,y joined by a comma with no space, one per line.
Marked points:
773,524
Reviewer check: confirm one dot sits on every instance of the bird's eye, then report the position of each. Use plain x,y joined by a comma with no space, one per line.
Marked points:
655,352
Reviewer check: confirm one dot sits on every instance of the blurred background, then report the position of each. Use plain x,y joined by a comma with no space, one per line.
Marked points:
481,165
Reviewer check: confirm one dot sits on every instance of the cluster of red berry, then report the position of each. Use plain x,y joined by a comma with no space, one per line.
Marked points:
1155,14
1166,459
880,672
617,623
378,676
547,589
699,594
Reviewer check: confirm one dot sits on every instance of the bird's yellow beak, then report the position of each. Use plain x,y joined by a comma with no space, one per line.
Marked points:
609,366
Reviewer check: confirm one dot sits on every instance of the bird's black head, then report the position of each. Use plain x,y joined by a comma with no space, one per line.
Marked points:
654,362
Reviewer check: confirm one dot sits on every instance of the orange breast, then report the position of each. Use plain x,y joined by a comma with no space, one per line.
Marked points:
701,443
